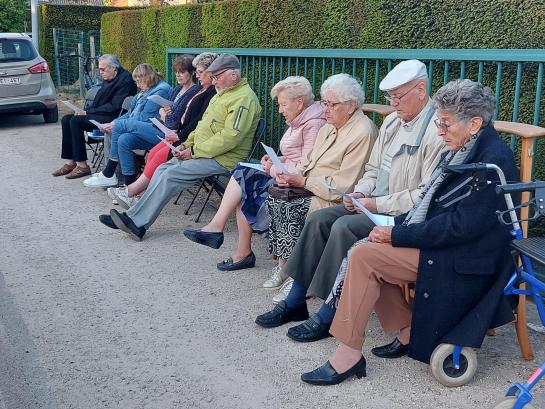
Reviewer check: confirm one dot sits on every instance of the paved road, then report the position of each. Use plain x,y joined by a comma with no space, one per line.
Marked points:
90,319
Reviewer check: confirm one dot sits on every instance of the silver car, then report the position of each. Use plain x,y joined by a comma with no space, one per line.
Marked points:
25,82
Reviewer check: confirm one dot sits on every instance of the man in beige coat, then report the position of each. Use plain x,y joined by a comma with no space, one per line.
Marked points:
403,157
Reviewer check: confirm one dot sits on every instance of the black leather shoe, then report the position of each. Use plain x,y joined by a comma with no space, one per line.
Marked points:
214,240
309,331
230,265
394,349
326,375
106,220
125,223
281,314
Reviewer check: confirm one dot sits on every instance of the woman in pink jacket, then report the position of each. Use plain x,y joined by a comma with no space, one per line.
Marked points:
246,192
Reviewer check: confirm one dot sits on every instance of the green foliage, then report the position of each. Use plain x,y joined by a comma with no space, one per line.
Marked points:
83,18
12,16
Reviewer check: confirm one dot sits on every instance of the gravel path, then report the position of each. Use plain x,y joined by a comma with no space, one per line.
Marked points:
90,319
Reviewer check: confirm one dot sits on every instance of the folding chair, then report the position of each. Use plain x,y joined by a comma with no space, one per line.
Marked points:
218,183
102,140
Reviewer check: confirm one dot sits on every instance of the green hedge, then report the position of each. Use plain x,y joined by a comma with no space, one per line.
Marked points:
83,18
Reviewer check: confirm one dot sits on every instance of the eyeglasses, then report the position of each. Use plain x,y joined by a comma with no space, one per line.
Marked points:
391,98
441,125
330,105
215,77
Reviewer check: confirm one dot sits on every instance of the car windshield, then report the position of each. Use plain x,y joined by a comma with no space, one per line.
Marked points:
15,49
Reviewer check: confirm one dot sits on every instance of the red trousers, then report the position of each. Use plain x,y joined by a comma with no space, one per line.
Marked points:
156,156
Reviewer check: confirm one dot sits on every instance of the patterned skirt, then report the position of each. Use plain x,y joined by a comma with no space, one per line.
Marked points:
286,220
254,187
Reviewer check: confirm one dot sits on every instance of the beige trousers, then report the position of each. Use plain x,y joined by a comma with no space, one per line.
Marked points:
374,273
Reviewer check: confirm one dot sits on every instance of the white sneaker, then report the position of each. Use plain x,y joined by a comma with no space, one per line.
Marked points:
121,196
284,291
99,180
276,279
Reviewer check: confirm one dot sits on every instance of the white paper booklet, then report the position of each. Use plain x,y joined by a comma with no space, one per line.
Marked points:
97,124
163,128
72,106
275,159
256,166
378,219
167,143
159,100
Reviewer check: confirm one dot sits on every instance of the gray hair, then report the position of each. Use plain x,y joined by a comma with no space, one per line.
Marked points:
111,60
294,87
345,87
466,99
204,59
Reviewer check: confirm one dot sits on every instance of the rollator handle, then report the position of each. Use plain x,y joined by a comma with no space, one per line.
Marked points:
473,167
520,187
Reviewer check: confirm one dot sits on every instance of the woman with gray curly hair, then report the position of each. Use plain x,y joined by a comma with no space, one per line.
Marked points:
188,116
337,159
450,243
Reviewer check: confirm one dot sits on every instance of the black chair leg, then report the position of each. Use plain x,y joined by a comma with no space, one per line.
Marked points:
194,197
212,188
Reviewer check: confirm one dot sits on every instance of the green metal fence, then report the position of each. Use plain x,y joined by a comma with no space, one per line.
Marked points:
516,75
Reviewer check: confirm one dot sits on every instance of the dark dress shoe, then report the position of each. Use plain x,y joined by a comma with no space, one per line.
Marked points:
214,240
281,314
327,375
125,223
230,265
106,220
309,331
394,349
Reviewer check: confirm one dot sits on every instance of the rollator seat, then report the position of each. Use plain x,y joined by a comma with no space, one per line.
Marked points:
533,247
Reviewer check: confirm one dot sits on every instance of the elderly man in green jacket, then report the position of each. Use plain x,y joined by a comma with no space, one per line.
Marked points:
221,139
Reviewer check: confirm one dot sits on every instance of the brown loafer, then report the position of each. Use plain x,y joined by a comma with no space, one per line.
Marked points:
79,172
65,170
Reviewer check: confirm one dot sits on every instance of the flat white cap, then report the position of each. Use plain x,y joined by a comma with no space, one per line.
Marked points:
402,73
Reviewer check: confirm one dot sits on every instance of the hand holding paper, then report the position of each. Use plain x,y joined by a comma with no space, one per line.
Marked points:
159,100
72,106
378,219
97,124
275,159
162,128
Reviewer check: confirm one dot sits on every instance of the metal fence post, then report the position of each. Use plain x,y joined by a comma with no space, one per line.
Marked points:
56,57
81,80
92,54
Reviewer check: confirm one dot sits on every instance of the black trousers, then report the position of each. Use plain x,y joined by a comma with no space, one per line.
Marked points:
73,137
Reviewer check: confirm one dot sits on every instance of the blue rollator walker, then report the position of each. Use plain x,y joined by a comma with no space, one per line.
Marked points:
455,365
529,250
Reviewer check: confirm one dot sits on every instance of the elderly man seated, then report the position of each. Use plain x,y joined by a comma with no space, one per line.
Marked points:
118,84
402,160
222,138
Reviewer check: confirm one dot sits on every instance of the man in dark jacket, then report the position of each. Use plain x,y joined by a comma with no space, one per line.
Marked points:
117,85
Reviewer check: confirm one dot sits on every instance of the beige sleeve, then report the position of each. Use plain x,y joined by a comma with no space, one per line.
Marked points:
347,175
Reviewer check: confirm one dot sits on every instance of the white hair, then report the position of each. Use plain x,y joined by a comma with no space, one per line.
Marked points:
111,60
294,87
345,87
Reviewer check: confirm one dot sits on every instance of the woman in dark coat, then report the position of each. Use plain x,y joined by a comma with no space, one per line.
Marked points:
452,245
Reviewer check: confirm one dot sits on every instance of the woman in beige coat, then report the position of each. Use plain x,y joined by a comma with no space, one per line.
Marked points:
338,158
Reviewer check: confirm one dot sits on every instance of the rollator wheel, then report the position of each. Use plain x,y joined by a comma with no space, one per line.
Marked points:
442,365
509,402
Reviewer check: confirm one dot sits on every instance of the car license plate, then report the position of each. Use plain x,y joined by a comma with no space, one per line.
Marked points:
10,81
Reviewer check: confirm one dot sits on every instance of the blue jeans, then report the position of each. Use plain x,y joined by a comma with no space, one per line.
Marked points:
130,134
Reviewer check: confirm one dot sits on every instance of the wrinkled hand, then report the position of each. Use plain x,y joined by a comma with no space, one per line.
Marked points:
266,163
381,234
167,110
108,127
290,180
80,113
171,137
183,154
369,203
348,205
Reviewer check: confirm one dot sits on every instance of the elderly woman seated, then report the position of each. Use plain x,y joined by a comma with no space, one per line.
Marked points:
190,114
450,243
132,130
338,159
246,192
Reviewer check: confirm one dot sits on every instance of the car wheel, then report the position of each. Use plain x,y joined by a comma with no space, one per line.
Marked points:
51,115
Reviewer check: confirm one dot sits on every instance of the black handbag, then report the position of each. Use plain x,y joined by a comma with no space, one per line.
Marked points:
288,193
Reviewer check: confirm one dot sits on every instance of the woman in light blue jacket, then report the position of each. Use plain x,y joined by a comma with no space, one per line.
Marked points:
132,130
